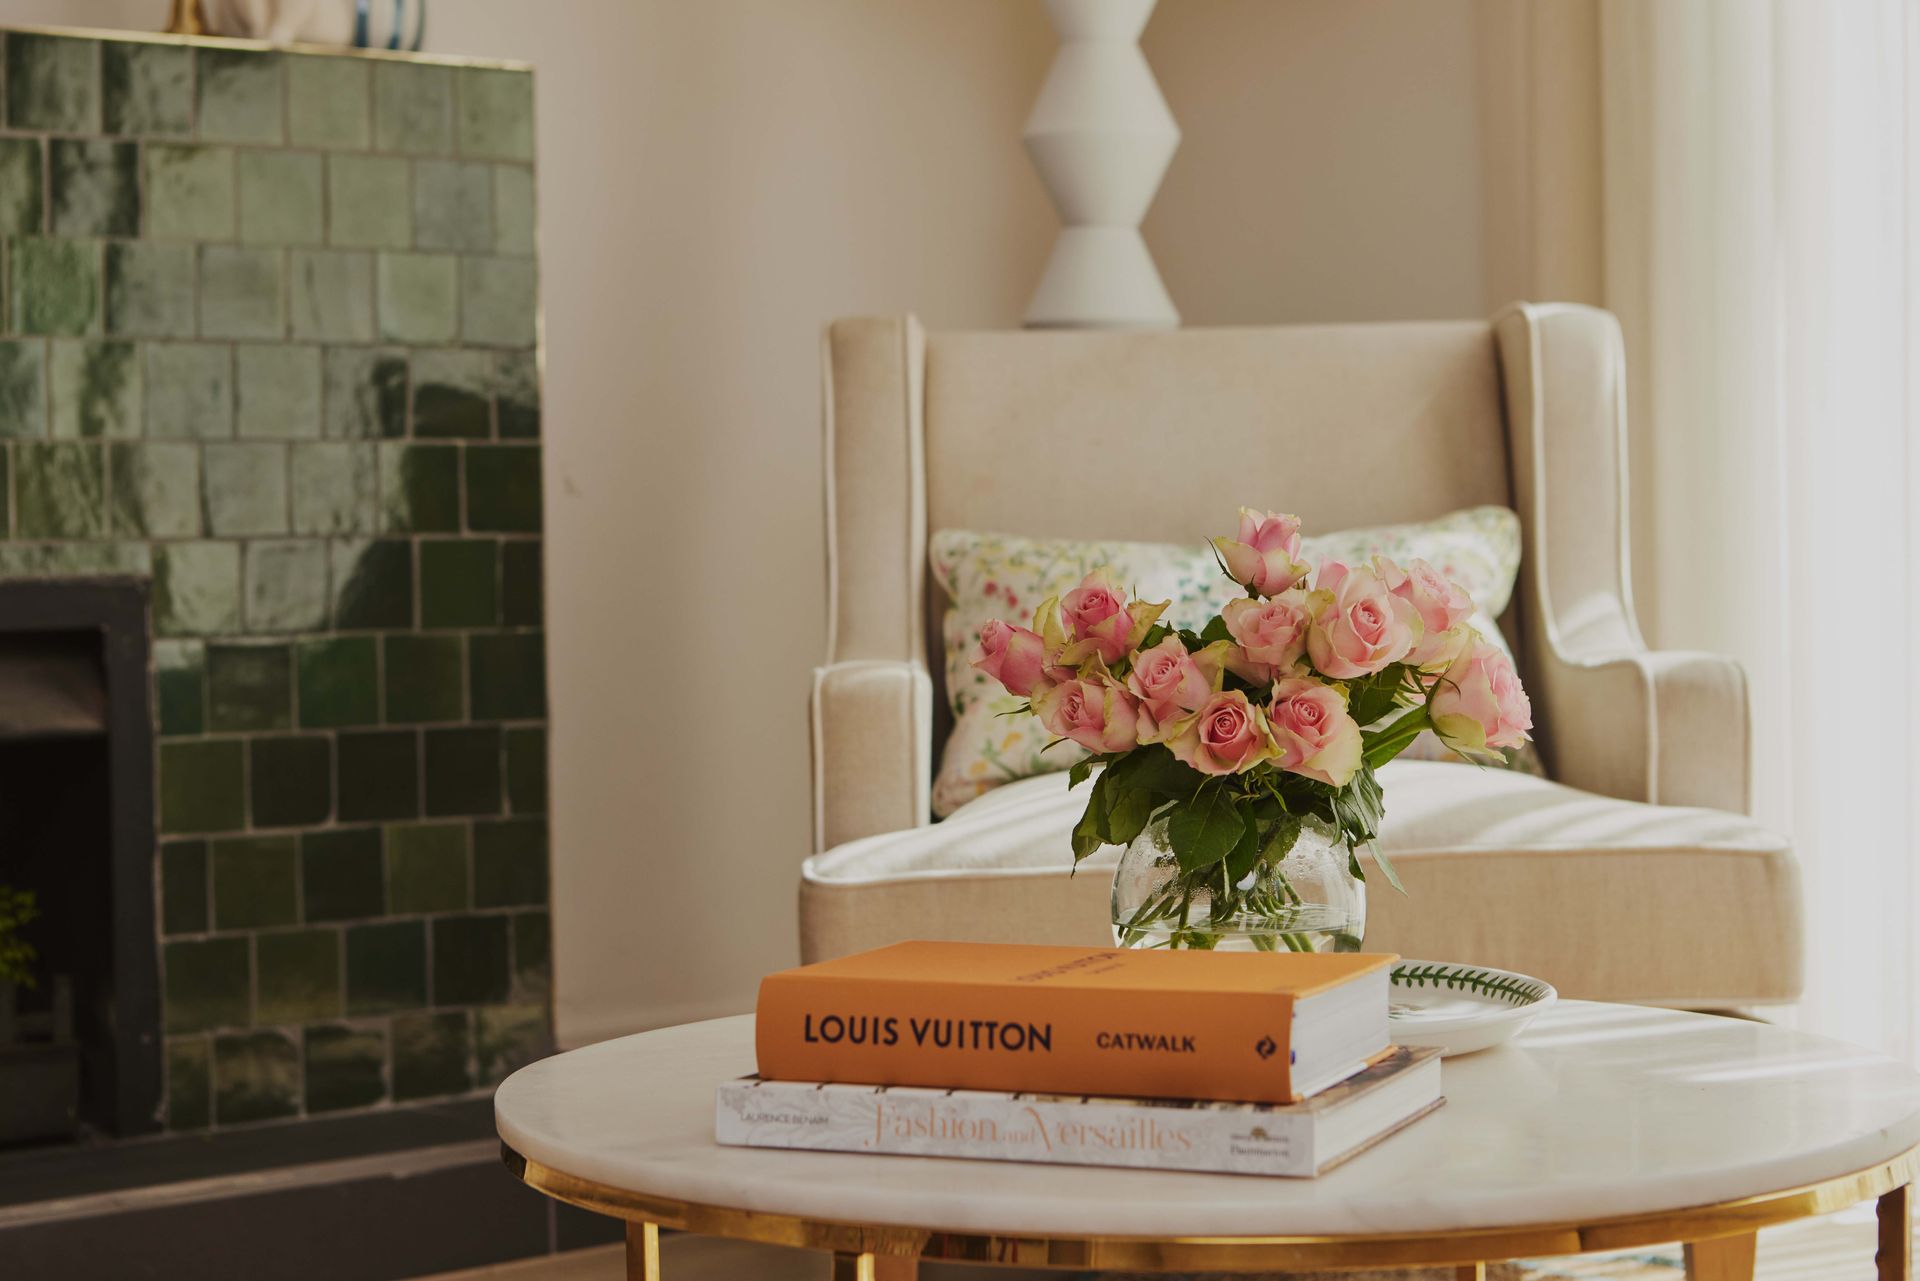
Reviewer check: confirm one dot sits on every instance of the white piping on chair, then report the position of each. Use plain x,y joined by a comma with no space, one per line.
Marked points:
832,508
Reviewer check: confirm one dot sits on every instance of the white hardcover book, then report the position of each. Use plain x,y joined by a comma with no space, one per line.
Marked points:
1298,1140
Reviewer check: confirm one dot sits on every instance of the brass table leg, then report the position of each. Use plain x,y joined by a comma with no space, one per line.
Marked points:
1895,1256
643,1252
1721,1259
873,1267
1470,1272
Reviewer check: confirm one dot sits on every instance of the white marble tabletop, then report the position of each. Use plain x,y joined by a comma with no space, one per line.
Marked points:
1597,1111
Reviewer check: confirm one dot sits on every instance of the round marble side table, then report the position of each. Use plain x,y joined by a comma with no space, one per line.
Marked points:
1604,1127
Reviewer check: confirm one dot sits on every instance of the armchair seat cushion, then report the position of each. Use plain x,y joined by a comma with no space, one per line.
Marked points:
1604,898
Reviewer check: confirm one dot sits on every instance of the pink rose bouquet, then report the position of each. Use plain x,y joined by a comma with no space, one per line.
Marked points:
1278,710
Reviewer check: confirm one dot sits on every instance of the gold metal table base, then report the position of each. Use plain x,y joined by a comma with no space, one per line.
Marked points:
1719,1237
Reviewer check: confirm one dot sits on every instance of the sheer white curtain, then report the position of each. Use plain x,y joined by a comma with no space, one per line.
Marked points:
1762,196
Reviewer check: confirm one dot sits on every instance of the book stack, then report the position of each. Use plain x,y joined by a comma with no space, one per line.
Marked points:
1244,1063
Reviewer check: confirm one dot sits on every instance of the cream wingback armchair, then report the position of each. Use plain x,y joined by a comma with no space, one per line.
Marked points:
1634,874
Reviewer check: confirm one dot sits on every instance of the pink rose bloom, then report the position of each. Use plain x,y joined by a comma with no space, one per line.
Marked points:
1478,703
1312,731
1265,557
1096,612
1271,634
1358,625
1442,604
1098,713
1013,656
1169,682
1227,736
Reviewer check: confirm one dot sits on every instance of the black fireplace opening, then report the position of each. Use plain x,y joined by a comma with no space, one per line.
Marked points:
79,1049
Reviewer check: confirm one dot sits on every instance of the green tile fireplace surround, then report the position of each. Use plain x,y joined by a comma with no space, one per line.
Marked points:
268,342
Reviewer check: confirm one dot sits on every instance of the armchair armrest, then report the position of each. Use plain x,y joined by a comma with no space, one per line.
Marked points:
1668,727
1615,717
872,749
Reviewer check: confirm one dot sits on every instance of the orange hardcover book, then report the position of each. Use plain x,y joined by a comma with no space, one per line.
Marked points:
1249,1027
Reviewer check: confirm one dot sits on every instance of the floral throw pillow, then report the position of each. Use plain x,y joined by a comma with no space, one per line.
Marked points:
988,576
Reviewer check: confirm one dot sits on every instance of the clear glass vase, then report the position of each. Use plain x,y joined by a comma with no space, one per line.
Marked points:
1307,901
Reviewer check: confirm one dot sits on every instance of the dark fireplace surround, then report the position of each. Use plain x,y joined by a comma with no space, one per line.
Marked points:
77,828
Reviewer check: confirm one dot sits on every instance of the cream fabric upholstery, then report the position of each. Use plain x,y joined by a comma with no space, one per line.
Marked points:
1607,899
957,430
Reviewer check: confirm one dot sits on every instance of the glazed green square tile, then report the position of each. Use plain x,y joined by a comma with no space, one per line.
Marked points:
95,187
427,867
431,1055
146,89
503,489
278,389
189,390
452,394
452,205
328,102
53,82
517,387
23,388
386,967
372,583
346,1067
291,779
286,586
532,961
419,488
60,490
513,209
255,882
240,96
241,293
424,682
281,200
183,887
339,682
412,108
417,295
520,582
330,295
256,1075
496,113
334,488
498,301
379,776
96,388
463,771
366,392
156,490
459,583
245,490
189,1082
341,875
249,687
508,1037
150,289
208,983
55,285
180,686
527,770
21,211
196,589
369,202
190,192
298,976
508,675
470,961
510,863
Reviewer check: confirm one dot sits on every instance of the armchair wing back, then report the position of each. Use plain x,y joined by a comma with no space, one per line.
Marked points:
1159,436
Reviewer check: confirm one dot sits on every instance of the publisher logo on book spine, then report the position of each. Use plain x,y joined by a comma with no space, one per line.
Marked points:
1266,1048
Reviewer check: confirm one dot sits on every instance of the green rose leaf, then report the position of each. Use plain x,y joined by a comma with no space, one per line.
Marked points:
1286,830
1242,858
1380,861
1132,807
1204,830
1078,774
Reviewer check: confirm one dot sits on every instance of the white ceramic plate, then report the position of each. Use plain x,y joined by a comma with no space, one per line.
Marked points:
1461,1008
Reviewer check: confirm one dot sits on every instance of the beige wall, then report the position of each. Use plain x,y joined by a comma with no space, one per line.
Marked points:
719,178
